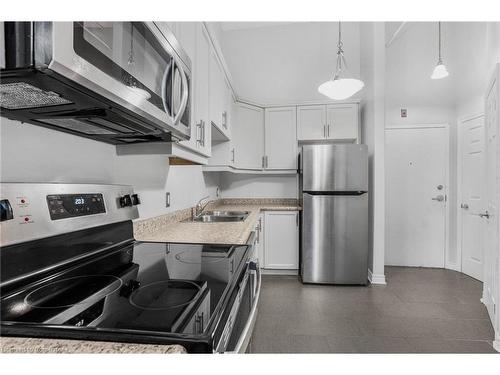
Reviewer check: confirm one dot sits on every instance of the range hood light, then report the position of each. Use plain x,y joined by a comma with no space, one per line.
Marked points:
141,93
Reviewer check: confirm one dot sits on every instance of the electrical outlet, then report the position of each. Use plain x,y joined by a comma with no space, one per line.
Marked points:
404,113
167,199
217,192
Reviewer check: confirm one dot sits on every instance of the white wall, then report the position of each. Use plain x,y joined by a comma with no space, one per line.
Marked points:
372,128
476,50
411,58
31,153
254,186
286,62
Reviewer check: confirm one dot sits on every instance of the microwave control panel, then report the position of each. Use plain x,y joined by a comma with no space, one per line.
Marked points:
64,206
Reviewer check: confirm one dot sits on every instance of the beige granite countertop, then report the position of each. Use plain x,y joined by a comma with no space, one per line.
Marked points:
54,346
173,228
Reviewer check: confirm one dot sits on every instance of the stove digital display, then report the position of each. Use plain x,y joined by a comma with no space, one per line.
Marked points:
64,206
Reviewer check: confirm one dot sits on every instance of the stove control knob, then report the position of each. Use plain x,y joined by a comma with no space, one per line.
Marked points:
125,201
135,199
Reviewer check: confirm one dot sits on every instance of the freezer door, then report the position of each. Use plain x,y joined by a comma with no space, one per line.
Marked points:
334,167
335,239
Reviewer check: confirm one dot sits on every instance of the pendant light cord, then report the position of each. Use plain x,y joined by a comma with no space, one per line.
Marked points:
439,46
340,51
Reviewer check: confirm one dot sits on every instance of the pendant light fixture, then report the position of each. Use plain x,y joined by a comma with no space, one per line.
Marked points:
343,85
440,70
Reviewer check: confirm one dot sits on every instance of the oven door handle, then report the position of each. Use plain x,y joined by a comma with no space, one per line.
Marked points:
245,336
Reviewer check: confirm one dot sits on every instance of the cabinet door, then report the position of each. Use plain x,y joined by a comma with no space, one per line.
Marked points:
247,137
311,122
281,240
342,120
281,138
201,120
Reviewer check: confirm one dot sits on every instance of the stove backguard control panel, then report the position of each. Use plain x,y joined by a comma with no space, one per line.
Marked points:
64,206
30,211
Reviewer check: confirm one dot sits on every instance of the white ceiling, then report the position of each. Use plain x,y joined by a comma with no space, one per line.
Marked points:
229,26
285,63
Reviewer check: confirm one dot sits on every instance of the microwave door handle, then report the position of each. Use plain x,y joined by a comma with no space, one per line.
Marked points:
185,95
167,102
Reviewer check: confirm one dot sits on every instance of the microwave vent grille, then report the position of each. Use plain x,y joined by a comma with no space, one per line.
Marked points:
21,95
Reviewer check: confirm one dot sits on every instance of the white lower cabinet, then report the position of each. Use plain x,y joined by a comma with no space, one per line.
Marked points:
259,240
281,240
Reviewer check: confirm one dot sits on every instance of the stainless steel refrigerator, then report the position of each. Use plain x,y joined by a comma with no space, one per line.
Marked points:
334,226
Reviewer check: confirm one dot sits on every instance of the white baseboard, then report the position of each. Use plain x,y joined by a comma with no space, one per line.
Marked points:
496,345
279,272
376,279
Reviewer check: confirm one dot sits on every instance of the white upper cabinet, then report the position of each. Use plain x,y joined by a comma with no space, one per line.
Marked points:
338,122
311,122
281,240
218,101
201,117
342,122
247,137
280,138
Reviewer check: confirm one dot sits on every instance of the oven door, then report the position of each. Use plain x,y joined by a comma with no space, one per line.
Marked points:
239,325
134,64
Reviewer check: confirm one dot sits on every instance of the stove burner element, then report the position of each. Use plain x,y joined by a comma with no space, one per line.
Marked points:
166,294
73,291
193,257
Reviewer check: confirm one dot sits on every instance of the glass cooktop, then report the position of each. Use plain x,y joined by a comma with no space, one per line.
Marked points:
169,288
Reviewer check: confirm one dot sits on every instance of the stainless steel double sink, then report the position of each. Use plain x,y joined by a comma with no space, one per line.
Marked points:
219,216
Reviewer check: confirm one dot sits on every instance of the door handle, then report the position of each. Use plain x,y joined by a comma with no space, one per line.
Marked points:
485,214
465,206
439,198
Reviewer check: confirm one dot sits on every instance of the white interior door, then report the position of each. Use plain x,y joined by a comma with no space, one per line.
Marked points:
472,202
416,188
491,246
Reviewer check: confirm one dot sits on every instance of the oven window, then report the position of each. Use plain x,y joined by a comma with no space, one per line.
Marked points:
128,52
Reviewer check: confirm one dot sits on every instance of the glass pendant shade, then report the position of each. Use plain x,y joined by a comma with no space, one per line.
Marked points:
340,88
440,71
342,85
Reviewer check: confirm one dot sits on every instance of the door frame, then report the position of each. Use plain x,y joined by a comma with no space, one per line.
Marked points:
459,218
447,263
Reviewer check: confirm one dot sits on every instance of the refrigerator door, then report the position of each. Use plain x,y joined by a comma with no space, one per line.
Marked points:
335,239
334,167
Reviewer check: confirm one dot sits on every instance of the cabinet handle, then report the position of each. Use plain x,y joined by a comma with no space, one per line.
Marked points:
328,134
198,132
263,162
267,161
232,152
203,134
224,119
297,219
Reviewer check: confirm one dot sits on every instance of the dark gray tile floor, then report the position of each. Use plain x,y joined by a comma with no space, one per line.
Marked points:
421,310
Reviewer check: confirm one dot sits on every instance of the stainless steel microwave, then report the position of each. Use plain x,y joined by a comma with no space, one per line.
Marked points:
116,82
